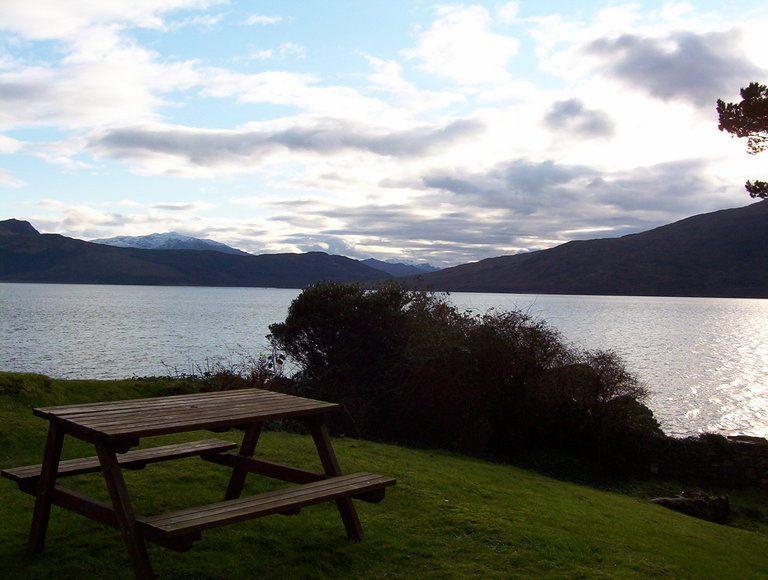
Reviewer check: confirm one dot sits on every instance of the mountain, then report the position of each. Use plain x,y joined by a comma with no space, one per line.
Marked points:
719,254
29,256
177,241
169,241
398,269
12,227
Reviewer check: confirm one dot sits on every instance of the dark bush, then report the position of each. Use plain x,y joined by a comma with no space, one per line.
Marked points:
346,341
262,372
407,366
15,383
714,460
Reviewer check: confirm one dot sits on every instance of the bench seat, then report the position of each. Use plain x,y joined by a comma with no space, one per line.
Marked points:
26,477
287,500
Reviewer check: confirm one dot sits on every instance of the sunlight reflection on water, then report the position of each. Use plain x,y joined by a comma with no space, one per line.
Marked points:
704,360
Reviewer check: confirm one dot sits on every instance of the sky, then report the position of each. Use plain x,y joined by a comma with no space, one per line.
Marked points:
402,130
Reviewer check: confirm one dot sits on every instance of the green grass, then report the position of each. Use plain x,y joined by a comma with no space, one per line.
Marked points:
449,516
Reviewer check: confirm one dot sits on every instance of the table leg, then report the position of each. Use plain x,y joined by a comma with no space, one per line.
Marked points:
126,520
247,448
331,466
45,487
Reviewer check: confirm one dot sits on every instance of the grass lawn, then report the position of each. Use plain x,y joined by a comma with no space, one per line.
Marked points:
449,516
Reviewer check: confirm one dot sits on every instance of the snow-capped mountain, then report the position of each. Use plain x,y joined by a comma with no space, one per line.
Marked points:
168,241
399,269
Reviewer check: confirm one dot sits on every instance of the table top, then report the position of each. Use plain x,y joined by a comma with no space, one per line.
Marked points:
134,418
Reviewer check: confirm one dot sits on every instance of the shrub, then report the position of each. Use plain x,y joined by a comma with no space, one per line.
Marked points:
261,372
408,366
15,383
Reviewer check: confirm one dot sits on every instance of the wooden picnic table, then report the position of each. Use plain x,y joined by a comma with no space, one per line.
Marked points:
116,427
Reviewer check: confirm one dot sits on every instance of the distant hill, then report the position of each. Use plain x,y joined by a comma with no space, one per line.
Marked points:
399,269
29,256
719,254
12,227
169,241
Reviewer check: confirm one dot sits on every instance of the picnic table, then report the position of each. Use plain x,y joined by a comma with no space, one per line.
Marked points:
115,427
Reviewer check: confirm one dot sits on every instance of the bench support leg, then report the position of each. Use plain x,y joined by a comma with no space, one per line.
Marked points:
45,487
247,448
126,520
331,466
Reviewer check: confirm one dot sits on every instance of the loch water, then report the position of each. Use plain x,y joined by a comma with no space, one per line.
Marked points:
705,360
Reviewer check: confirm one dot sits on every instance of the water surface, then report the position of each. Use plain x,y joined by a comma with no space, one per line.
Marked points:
704,360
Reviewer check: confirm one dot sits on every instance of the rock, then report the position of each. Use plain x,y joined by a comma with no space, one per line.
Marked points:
699,505
748,439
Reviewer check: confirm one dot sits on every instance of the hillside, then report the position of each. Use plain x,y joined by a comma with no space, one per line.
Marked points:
719,254
28,256
448,517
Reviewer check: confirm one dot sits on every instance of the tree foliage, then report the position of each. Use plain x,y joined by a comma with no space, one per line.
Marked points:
407,366
748,118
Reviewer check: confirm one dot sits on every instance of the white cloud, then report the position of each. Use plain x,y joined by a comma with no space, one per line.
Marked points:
460,46
572,117
62,160
102,79
9,181
508,13
88,222
74,218
194,152
387,76
300,90
263,19
57,19
380,159
654,75
262,54
9,145
202,21
677,12
672,39
291,49
182,206
284,50
696,67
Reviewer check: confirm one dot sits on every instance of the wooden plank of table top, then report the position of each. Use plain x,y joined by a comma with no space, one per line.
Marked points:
226,397
175,399
154,416
267,405
183,413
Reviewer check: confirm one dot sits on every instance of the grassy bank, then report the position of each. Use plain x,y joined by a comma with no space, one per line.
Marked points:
449,516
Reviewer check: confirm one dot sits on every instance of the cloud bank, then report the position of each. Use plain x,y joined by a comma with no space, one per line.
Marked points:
443,133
